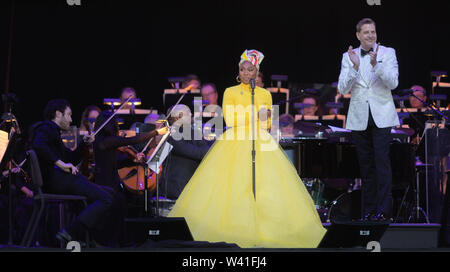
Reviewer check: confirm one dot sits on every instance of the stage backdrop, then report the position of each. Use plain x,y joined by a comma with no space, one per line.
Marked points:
90,51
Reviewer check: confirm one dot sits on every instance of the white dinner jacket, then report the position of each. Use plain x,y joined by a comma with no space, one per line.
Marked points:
370,86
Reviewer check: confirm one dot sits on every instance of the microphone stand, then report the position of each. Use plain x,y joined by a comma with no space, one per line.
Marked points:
252,85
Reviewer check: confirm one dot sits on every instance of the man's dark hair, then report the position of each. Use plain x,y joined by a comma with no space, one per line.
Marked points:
310,96
53,106
365,21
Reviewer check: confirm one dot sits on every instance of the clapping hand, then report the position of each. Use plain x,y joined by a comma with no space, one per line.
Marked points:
354,57
373,56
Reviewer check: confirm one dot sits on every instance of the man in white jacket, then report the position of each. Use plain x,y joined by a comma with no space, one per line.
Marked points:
369,73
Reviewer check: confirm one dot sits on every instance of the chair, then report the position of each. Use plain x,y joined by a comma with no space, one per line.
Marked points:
40,200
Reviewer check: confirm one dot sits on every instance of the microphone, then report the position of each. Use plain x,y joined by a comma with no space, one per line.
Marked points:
252,83
405,92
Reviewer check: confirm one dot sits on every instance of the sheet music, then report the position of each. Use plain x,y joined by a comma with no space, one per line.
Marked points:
166,148
338,129
3,143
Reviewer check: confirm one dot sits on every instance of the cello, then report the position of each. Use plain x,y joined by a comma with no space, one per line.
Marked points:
133,177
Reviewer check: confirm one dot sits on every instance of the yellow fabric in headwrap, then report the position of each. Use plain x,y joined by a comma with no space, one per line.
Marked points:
253,56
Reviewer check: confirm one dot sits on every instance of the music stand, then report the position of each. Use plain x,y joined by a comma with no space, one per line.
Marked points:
5,158
171,96
158,156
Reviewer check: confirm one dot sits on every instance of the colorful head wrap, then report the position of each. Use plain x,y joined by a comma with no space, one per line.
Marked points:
253,56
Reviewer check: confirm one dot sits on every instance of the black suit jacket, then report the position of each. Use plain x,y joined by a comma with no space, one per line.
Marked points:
181,164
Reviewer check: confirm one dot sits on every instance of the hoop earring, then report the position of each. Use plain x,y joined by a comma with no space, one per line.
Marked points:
238,79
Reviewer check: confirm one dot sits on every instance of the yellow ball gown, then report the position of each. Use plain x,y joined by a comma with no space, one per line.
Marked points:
218,202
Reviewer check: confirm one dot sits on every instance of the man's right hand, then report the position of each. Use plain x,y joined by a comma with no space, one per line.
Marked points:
353,57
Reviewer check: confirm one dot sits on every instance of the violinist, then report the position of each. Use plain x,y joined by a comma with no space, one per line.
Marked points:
86,127
59,174
88,118
106,170
22,196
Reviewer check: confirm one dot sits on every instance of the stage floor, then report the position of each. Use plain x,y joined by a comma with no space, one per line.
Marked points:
397,238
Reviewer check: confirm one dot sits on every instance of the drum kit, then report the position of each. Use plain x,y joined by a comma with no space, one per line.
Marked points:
335,203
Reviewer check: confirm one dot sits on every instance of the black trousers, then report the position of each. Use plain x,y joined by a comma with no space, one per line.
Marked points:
100,198
372,147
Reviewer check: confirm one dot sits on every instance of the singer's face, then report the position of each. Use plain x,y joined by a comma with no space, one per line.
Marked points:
247,71
367,36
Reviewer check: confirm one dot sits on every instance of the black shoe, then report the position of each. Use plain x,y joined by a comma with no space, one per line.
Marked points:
380,217
367,217
64,237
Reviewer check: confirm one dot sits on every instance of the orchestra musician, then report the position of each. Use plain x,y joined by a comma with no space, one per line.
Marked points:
125,94
60,176
312,110
369,73
185,156
417,123
260,79
87,127
106,171
88,118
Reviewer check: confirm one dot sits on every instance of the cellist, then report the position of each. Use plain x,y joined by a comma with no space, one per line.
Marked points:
105,145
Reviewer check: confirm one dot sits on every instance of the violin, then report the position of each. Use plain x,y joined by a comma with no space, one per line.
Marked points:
22,172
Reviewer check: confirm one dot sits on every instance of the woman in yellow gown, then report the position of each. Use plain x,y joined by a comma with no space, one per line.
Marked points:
218,202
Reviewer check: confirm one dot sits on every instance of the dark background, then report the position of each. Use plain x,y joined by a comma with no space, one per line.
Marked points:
89,52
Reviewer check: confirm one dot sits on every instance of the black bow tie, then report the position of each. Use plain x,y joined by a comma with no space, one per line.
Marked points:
364,52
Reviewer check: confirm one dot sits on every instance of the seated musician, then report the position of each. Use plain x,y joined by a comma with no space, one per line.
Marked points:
260,79
419,92
87,127
287,125
185,156
418,119
210,96
125,94
88,118
106,171
209,93
305,123
312,110
60,176
105,147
